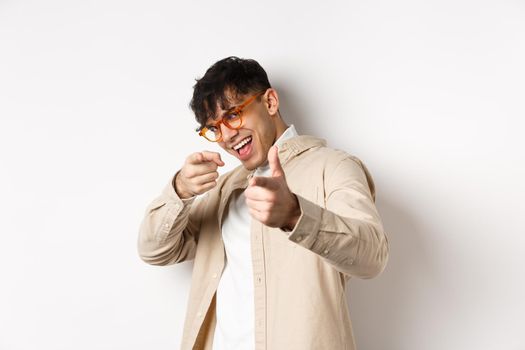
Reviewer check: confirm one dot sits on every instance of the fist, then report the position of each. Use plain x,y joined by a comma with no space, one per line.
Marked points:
269,199
199,174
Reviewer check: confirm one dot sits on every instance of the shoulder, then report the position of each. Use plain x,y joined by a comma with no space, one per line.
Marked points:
331,157
338,166
315,147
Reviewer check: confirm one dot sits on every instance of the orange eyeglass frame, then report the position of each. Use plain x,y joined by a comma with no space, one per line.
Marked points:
238,110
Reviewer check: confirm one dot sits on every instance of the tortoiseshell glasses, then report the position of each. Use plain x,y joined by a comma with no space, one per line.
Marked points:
232,119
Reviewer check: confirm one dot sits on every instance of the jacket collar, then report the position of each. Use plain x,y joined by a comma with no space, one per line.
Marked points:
289,149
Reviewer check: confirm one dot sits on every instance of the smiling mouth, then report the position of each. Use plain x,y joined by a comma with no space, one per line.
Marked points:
241,146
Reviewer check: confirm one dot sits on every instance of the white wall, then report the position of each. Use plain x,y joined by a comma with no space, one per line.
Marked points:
95,120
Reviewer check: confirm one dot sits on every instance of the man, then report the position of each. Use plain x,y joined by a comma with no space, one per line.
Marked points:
275,240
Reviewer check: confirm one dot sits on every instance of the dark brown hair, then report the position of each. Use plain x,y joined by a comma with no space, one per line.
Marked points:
224,82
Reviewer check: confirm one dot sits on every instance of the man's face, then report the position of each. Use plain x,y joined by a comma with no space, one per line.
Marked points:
250,143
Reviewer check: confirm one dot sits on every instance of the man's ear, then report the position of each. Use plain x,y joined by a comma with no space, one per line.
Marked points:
271,101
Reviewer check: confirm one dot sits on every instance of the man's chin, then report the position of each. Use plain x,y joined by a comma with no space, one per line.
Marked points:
250,164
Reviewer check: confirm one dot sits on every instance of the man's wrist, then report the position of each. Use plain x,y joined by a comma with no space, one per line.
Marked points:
177,185
294,217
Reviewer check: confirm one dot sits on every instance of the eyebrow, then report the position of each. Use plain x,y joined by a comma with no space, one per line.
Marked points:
235,105
220,117
226,111
236,102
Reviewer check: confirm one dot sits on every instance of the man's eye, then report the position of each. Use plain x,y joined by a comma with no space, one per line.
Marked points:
211,128
232,115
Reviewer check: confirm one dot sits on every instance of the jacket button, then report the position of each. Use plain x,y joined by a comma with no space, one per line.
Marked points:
214,275
325,251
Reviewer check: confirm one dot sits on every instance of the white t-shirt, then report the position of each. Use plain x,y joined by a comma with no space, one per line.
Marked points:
235,328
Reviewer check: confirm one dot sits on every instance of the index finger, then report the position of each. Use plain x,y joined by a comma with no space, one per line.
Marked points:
213,156
195,158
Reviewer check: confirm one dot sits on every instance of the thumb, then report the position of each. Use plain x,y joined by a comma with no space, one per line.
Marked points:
275,165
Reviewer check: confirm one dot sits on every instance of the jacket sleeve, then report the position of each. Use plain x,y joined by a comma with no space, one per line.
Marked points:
170,228
348,232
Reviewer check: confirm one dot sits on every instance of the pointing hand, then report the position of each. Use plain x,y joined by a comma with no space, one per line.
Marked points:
199,174
269,199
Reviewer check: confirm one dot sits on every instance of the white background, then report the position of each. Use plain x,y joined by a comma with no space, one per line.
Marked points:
95,120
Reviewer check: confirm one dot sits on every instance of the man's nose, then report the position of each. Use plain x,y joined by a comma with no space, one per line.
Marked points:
227,133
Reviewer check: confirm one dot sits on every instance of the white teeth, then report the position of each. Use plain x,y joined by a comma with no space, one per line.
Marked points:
242,143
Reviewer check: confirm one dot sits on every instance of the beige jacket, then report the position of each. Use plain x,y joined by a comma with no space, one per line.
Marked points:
299,277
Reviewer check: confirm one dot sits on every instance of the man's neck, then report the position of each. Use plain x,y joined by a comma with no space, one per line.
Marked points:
280,128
